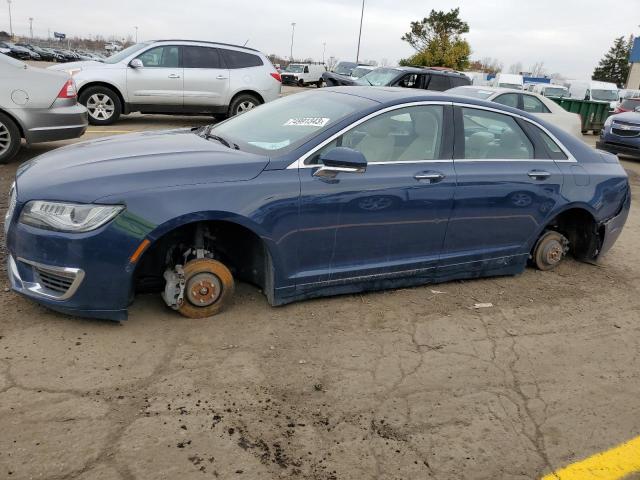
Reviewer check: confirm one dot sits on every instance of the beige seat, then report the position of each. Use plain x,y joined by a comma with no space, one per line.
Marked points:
510,146
378,144
477,146
427,129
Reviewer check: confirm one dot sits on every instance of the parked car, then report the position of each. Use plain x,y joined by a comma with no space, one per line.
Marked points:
345,68
530,102
57,57
407,77
303,74
175,76
550,90
361,71
4,49
621,134
327,192
508,80
37,105
16,51
34,54
627,105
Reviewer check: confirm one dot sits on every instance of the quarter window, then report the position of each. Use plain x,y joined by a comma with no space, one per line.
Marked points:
237,59
161,57
508,99
200,57
532,104
493,135
439,83
402,135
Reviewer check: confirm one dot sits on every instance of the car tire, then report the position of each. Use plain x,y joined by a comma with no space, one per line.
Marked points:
301,83
243,103
103,104
209,288
220,116
10,138
319,83
549,251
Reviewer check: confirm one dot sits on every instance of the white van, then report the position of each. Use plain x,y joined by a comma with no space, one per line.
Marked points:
551,90
594,91
508,80
302,74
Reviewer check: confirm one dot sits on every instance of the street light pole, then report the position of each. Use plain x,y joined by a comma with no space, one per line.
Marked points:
324,49
31,28
136,33
10,23
360,34
293,31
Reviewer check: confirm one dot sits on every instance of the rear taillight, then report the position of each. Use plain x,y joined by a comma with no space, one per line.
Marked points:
68,90
277,76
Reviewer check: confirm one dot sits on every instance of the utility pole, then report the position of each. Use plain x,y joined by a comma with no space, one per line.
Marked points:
10,22
136,27
360,34
293,31
31,28
324,49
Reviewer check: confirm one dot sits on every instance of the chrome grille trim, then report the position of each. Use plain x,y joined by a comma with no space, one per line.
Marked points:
55,283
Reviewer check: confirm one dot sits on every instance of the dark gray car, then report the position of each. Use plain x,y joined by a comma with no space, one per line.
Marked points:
37,105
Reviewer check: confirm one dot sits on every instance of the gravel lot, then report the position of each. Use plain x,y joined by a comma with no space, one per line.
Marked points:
407,384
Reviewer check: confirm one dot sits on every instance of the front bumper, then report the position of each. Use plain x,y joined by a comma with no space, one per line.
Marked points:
84,275
618,147
51,124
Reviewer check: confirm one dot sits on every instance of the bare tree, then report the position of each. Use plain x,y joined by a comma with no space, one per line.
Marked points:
538,70
515,68
384,62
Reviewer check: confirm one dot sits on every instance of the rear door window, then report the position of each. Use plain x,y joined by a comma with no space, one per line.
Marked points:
508,99
459,81
236,59
200,57
411,80
490,135
439,83
532,104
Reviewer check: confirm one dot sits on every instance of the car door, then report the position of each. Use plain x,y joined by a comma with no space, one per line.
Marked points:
206,79
159,82
507,187
389,219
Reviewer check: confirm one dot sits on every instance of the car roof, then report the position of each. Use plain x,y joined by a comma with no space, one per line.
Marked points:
437,71
204,41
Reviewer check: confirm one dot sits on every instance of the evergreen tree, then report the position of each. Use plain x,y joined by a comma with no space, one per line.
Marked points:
437,41
614,66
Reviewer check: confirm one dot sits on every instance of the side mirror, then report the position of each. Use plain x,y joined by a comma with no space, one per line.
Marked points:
136,63
341,160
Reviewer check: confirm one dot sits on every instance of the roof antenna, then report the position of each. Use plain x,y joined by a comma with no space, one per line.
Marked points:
245,43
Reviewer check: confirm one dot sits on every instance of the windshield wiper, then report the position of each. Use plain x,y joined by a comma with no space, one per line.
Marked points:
209,136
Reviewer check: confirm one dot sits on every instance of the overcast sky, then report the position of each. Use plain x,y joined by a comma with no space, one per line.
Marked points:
569,36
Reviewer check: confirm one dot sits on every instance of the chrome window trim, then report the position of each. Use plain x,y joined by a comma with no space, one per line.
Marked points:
300,162
36,288
570,158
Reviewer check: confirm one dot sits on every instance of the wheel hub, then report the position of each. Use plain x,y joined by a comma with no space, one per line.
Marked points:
203,289
554,253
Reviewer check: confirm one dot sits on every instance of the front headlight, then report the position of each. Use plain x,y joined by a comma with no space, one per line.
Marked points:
67,217
608,121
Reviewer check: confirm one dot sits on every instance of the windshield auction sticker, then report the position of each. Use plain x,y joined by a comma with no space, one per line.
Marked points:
307,122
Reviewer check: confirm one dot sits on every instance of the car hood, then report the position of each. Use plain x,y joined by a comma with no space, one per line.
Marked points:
632,117
84,65
112,166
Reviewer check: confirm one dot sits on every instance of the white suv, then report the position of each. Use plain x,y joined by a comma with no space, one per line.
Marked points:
175,76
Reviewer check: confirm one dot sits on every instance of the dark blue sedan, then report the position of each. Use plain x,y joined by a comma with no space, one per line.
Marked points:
321,193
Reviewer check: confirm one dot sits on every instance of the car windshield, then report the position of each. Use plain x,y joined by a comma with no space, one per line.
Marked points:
512,86
555,92
118,57
344,68
471,92
630,103
359,72
294,68
378,78
285,124
604,95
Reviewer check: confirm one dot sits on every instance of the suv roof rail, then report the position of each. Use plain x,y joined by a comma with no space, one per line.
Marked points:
206,41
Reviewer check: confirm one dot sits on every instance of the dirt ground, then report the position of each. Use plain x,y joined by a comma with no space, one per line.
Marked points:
406,384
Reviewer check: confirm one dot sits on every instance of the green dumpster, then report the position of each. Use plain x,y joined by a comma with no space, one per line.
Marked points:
593,114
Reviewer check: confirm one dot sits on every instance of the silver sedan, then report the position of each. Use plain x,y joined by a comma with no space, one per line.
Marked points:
36,105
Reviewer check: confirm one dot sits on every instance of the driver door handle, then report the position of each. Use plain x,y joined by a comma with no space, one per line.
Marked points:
539,174
221,77
174,75
429,177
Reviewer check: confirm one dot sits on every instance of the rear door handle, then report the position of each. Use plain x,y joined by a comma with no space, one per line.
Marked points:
221,77
429,177
174,75
539,174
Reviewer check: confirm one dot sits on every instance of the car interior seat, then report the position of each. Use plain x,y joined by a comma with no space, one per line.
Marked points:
509,146
427,129
477,145
377,145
